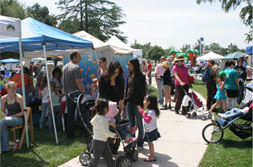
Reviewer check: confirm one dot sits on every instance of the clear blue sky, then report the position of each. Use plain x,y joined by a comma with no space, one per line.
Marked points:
173,22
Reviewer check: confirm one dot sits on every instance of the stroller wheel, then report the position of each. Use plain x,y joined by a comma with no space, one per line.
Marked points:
123,162
135,155
194,114
188,115
212,133
84,158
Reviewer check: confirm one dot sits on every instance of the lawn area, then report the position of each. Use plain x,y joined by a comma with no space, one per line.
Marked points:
231,151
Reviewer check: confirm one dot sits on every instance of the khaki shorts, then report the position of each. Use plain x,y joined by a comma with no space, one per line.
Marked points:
166,89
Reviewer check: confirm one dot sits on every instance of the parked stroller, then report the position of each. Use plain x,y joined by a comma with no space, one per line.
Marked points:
84,103
191,104
213,132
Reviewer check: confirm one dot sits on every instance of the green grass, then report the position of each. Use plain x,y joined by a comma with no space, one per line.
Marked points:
231,151
44,152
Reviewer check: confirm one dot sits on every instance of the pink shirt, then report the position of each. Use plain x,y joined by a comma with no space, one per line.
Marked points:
159,70
182,73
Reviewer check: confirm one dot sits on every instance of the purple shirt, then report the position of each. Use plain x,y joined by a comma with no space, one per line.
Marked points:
182,73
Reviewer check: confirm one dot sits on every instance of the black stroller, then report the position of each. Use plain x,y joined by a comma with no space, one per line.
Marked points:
213,132
84,103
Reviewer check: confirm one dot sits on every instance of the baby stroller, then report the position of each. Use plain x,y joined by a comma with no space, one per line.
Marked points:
213,132
191,104
130,154
84,103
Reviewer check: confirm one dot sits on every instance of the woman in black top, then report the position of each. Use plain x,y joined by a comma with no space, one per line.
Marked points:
242,78
13,104
111,84
166,84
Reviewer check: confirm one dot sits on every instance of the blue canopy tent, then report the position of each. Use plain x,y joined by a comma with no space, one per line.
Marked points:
9,61
37,36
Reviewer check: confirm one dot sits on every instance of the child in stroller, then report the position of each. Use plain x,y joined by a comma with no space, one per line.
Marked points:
123,128
217,127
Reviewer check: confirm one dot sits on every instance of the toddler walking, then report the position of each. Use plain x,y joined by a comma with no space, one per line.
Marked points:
101,134
220,94
150,116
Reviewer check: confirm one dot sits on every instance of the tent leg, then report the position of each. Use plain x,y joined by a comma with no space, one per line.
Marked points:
49,90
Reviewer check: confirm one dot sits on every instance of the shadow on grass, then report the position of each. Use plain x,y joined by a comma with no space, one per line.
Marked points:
7,160
228,143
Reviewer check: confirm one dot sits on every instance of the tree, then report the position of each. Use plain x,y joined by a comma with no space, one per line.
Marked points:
145,48
100,18
246,13
70,25
186,47
41,14
12,8
167,51
155,53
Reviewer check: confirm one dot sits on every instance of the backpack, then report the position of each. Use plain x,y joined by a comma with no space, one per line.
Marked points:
207,75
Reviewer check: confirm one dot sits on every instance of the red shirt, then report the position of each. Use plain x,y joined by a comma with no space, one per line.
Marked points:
149,67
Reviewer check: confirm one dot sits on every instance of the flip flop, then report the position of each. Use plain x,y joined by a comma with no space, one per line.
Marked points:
149,160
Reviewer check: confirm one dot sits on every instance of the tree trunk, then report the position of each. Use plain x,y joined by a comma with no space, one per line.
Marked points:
86,16
81,15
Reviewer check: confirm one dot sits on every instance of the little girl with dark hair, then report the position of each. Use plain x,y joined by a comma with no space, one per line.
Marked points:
150,116
101,134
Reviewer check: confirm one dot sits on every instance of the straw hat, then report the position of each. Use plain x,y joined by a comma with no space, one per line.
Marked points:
179,58
166,64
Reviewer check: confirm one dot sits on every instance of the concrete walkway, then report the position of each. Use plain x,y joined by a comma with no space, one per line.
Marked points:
180,145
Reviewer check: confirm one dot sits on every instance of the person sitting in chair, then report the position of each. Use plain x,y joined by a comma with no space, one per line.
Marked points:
12,111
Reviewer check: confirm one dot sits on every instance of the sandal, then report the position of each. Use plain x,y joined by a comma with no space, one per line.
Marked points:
149,160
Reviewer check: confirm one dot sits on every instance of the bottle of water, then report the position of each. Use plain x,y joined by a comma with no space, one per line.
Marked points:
15,145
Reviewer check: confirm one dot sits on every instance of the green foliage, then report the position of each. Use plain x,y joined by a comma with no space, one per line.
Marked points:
12,8
145,48
246,13
41,14
156,52
70,25
215,47
99,18
185,48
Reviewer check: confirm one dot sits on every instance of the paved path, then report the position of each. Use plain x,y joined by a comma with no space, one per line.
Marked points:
180,145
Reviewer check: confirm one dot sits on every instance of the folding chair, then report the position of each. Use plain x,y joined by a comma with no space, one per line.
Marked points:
29,125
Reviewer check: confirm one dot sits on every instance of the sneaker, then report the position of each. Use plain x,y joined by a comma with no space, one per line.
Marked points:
221,115
133,130
132,139
165,107
169,107
176,112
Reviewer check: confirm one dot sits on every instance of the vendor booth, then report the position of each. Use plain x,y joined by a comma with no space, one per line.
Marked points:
113,50
210,56
41,40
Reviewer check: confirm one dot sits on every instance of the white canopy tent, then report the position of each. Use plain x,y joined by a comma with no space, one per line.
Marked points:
120,46
112,45
210,56
9,28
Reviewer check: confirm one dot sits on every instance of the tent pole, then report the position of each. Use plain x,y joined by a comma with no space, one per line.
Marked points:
23,89
49,90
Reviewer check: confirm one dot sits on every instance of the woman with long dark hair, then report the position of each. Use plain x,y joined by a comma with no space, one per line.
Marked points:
134,96
111,84
111,87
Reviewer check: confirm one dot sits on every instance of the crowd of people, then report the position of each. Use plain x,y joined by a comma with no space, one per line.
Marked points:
129,95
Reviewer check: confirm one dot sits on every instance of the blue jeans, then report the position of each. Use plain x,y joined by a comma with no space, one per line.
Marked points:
135,118
43,115
160,91
4,124
57,117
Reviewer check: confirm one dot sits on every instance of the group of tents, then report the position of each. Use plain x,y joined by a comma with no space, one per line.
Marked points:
32,38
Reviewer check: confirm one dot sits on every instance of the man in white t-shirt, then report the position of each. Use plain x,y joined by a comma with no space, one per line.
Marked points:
159,70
